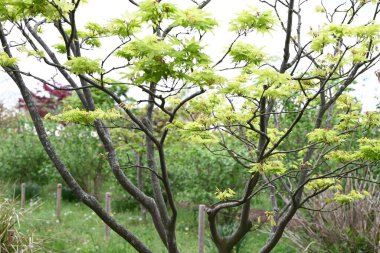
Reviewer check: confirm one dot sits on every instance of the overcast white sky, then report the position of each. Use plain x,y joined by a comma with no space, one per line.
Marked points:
102,11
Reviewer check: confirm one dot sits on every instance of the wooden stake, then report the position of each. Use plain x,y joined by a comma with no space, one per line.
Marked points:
58,203
108,210
201,229
23,195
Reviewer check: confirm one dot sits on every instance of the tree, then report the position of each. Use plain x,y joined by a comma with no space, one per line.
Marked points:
46,100
22,157
242,115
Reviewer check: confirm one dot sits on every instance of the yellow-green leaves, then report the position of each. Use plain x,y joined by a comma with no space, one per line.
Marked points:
235,88
189,53
151,56
270,77
346,102
84,117
95,28
322,39
7,61
247,53
359,54
22,9
270,216
370,149
224,195
371,30
319,9
61,48
324,135
343,156
206,78
195,18
347,121
330,34
323,183
350,197
155,59
371,119
339,30
255,83
155,12
124,27
64,6
205,105
196,132
32,52
253,20
269,167
83,65
335,184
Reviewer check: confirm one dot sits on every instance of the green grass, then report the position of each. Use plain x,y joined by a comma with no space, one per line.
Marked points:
82,231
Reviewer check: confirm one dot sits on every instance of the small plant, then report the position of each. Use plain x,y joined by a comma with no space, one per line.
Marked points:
11,240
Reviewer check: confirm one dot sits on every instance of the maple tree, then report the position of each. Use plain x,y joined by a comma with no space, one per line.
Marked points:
252,115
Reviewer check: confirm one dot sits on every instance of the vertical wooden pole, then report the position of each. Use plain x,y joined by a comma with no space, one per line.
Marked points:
23,195
108,210
201,229
58,203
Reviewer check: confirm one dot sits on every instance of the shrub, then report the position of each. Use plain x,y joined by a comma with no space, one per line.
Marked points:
68,195
11,240
350,228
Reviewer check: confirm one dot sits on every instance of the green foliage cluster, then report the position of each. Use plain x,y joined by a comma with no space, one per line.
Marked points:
84,117
82,65
253,19
20,9
154,59
7,61
247,53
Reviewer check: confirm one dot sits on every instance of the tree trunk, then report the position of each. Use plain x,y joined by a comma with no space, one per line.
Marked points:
225,249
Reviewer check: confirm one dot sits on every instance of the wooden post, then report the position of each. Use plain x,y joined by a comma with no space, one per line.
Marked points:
23,195
201,229
58,203
108,210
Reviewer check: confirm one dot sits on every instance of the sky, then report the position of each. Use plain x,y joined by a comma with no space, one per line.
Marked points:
367,88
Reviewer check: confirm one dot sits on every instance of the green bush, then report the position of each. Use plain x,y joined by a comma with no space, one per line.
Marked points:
68,195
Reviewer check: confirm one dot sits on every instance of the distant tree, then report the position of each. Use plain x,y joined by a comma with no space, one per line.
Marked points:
46,100
242,114
22,157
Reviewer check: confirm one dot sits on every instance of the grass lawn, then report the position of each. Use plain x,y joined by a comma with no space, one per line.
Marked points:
82,231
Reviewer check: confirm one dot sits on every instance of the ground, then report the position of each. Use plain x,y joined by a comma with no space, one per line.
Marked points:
82,231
